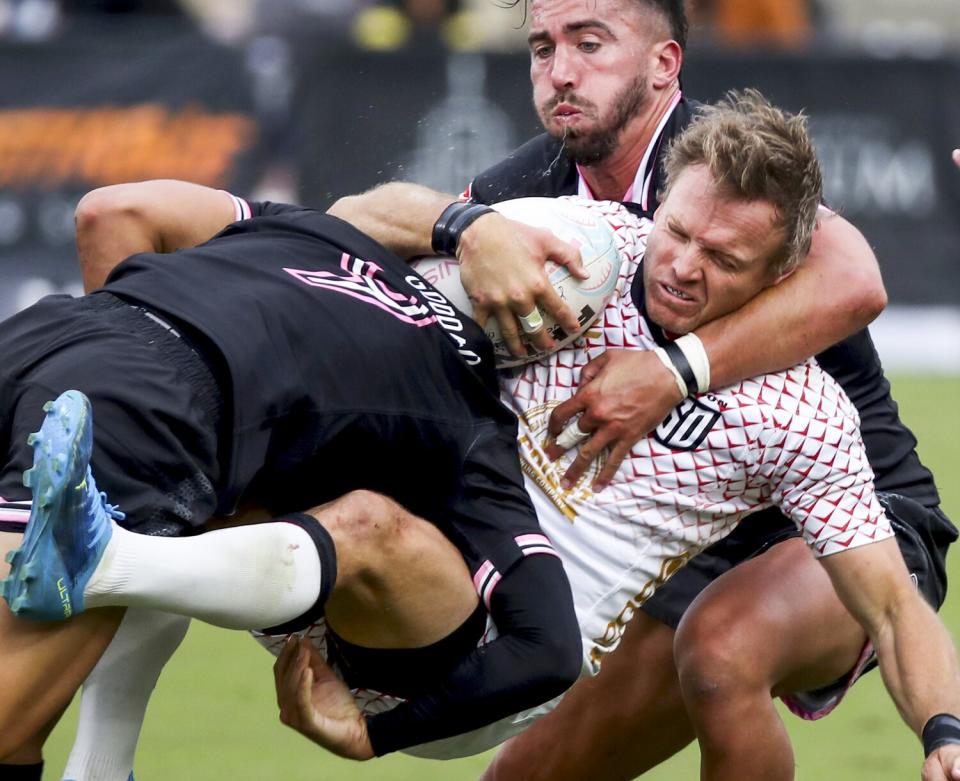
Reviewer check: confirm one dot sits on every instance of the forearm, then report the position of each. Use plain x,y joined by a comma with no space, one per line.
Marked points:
536,657
113,223
916,654
918,664
834,293
399,215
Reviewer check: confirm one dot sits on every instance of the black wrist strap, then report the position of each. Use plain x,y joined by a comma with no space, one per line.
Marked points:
939,731
453,221
682,365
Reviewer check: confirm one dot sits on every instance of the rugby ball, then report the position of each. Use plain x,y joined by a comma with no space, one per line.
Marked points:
567,220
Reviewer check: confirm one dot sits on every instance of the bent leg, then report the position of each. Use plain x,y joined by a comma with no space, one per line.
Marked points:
617,725
271,574
400,582
771,625
44,665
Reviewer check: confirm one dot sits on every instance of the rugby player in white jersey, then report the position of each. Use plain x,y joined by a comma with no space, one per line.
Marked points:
724,232
592,63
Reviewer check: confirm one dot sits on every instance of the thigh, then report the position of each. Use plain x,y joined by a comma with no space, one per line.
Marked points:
614,726
44,664
775,620
154,425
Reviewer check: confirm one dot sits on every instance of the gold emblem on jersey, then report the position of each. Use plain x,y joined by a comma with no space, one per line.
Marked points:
546,473
615,629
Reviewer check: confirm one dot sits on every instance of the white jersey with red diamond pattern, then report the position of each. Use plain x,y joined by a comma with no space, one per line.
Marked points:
789,439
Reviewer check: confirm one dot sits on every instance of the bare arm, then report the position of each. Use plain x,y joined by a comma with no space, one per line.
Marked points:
399,215
501,260
834,293
157,216
916,655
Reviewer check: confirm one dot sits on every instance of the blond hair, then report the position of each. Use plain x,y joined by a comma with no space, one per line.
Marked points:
756,152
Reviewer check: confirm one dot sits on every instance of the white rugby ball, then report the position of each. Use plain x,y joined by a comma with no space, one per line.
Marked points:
569,221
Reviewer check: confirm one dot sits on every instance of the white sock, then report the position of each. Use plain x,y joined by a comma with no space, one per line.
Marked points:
246,577
115,695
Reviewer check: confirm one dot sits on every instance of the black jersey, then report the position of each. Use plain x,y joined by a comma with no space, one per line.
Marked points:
343,369
346,370
539,168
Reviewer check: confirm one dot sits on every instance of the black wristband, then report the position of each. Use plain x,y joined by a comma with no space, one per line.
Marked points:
451,224
682,365
939,731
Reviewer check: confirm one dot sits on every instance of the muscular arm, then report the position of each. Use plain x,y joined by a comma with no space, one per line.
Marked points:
916,654
115,222
399,215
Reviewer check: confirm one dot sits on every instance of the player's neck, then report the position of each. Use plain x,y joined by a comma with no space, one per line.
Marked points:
610,179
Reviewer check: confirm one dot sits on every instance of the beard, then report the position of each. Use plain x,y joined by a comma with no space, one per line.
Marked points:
589,147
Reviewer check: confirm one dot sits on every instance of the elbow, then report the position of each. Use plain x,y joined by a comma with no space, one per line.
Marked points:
345,207
103,205
851,269
876,302
866,299
868,296
351,208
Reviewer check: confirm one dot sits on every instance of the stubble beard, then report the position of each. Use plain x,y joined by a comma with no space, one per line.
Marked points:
594,146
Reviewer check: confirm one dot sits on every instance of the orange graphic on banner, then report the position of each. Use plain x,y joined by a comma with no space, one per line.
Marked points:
47,148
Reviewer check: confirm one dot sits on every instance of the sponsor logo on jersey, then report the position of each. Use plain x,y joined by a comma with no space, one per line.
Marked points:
546,474
687,425
363,280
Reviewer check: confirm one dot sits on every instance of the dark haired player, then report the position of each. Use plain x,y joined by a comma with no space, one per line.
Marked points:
289,360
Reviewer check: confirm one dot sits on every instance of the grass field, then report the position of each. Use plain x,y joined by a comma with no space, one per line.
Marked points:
214,716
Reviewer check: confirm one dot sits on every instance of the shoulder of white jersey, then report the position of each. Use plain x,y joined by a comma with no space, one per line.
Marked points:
241,207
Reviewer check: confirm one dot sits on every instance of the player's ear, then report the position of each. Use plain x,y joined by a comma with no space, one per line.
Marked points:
668,60
785,275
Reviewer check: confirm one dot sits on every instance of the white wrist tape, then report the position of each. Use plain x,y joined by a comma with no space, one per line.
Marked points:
665,360
688,362
697,358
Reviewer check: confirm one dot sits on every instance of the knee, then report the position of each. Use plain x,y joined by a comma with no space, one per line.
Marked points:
718,659
365,526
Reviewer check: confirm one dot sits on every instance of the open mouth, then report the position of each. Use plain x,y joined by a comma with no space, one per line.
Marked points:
676,293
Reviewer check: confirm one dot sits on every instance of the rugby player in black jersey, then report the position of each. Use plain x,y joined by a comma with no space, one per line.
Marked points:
606,85
293,362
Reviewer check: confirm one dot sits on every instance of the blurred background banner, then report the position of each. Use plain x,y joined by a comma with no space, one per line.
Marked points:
124,104
308,100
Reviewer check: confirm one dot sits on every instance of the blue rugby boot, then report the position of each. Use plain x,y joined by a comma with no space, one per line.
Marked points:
70,521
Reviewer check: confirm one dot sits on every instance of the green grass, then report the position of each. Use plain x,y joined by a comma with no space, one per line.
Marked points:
214,717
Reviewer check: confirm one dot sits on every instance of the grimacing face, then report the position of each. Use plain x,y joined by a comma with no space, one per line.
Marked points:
708,254
589,66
